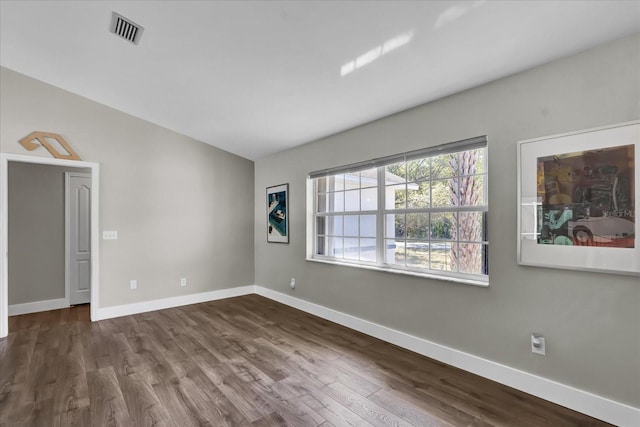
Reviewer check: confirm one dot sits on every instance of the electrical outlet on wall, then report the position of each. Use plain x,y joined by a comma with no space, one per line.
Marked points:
183,281
133,284
538,345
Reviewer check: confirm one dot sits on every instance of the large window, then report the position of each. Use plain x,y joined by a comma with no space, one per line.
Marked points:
419,212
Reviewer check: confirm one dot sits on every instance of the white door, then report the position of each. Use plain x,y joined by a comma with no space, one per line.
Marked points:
78,237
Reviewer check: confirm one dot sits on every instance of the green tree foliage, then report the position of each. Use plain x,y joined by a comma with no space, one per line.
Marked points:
423,193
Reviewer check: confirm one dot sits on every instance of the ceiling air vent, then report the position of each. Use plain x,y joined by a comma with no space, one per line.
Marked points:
125,28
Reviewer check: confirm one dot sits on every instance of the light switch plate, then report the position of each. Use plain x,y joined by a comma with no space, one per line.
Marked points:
110,235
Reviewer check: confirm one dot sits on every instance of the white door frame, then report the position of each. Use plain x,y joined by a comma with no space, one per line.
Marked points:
5,158
67,230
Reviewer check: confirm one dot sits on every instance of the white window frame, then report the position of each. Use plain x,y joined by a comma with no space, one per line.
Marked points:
382,211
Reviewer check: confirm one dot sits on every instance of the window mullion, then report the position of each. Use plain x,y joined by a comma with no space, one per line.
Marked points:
380,231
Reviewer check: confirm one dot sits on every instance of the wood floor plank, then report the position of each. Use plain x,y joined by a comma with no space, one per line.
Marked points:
71,374
25,322
123,359
179,367
95,348
356,382
71,393
6,344
418,394
296,408
77,418
448,387
304,346
43,413
302,366
214,344
286,403
243,361
43,366
150,359
267,361
15,389
225,324
367,409
272,419
328,408
249,401
142,402
16,359
406,410
107,404
335,342
173,398
209,400
163,340
38,413
207,321
186,405
185,340
178,316
127,326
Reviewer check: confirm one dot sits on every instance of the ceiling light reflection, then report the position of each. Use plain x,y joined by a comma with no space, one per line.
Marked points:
454,13
375,53
369,57
396,42
450,15
347,68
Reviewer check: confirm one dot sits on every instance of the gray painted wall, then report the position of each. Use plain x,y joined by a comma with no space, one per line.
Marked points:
36,231
182,208
591,321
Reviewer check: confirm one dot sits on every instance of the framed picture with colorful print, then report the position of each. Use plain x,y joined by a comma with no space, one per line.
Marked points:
278,214
578,200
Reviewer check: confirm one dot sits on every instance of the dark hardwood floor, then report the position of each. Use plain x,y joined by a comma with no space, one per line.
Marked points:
245,361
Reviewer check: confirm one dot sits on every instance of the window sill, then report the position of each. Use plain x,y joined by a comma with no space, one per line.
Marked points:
471,282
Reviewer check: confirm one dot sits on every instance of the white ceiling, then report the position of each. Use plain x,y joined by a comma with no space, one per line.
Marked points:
255,78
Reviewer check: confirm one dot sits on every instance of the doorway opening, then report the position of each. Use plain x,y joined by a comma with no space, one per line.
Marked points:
78,226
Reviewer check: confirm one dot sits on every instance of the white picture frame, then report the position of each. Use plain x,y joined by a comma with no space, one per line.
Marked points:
578,197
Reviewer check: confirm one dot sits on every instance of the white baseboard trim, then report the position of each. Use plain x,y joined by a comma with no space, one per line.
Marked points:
579,400
159,304
37,306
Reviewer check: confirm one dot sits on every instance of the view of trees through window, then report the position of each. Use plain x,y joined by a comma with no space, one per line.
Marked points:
429,215
441,226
